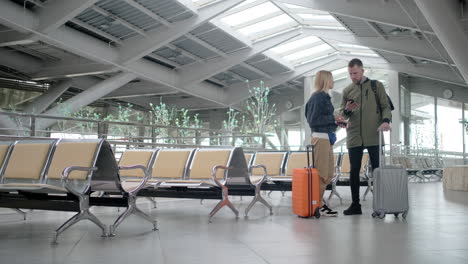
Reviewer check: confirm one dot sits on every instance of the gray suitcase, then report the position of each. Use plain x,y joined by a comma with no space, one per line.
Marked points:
390,188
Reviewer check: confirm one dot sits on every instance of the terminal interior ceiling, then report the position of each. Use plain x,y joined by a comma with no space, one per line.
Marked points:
133,58
200,54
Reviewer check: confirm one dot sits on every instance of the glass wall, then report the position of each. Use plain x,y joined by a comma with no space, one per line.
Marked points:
422,121
449,129
436,128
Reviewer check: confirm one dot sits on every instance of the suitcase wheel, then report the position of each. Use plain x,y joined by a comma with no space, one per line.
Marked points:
317,212
404,214
380,215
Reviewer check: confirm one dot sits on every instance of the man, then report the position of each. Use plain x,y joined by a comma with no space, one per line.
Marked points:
368,112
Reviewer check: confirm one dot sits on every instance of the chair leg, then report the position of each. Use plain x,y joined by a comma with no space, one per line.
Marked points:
334,192
368,189
82,215
152,200
20,212
131,209
258,198
120,219
225,201
146,217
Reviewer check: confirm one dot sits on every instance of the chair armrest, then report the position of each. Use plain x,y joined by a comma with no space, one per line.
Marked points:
264,177
67,172
213,174
145,178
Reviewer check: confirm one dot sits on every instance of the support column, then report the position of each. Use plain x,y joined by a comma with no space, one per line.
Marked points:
41,103
305,129
86,97
463,134
394,93
444,18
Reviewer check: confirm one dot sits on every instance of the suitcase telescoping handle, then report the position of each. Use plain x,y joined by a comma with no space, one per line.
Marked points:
382,149
310,148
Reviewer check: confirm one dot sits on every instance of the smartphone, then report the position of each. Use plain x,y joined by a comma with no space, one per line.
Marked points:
342,123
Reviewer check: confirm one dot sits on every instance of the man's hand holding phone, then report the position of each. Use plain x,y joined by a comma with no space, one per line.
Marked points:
351,105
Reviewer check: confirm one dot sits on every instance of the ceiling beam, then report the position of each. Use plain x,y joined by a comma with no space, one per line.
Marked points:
121,21
88,96
444,18
401,46
388,12
198,73
148,12
376,29
432,71
10,38
86,46
56,13
20,61
239,92
97,31
71,69
138,47
41,103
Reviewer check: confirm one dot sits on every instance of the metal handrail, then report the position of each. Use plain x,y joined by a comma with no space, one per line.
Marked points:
106,122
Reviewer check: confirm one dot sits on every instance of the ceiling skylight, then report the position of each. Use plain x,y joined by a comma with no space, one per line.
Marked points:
266,25
309,52
250,14
296,44
340,71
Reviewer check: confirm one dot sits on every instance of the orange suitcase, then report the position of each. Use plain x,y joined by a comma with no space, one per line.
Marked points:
305,189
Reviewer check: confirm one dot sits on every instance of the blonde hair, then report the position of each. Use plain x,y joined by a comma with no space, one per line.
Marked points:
323,81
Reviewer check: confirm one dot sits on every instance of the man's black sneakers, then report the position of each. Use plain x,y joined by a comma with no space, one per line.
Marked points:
354,209
326,211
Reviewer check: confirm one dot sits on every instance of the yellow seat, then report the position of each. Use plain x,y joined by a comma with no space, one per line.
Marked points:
248,157
132,178
171,164
273,161
36,154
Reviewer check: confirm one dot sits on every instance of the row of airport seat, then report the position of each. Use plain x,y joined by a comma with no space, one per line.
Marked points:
55,175
192,173
280,165
420,167
65,175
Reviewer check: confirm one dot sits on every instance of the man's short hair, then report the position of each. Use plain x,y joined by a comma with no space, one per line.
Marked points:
355,62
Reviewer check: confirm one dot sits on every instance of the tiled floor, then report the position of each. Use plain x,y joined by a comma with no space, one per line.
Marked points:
435,231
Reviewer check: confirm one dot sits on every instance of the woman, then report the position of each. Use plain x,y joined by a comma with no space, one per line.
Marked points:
319,114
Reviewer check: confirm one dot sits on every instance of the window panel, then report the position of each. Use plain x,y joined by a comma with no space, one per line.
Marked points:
449,129
422,121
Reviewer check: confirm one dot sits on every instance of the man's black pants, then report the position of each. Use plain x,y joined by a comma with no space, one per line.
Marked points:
355,158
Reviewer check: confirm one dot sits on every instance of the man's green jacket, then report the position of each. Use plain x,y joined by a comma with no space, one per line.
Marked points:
364,120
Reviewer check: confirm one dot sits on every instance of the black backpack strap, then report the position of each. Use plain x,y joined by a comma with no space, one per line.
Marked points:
373,84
